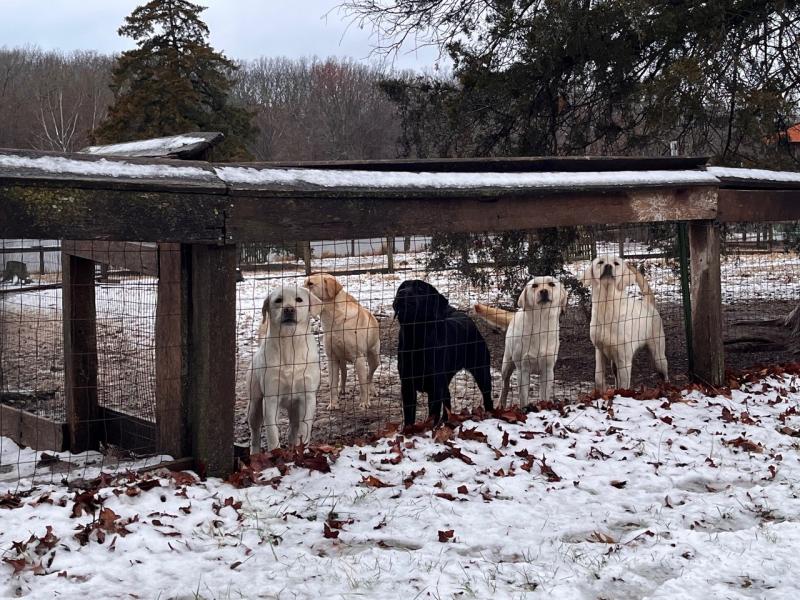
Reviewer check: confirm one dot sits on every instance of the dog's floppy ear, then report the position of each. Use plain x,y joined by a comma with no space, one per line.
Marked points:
332,286
627,278
265,309
314,304
587,277
440,303
524,300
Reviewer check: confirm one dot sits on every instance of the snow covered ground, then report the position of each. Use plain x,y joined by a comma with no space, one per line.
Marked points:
681,496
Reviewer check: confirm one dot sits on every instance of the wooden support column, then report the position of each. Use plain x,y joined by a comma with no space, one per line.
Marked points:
211,357
172,340
307,256
390,254
80,353
706,290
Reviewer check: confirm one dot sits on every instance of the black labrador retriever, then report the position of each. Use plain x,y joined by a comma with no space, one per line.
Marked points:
436,341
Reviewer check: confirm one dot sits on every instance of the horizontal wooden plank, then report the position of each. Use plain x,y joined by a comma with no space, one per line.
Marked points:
126,431
29,167
62,212
29,249
139,257
296,218
33,431
502,164
742,205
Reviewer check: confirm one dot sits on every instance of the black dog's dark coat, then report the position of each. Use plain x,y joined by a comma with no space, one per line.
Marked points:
436,341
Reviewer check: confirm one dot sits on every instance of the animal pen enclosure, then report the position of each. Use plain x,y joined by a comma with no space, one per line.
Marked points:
151,357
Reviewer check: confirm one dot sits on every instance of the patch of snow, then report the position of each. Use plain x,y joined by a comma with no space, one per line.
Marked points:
162,145
403,179
759,174
650,499
58,165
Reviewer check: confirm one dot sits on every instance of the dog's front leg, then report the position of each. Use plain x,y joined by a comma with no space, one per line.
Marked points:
301,418
255,409
408,395
546,377
271,405
599,371
438,398
524,382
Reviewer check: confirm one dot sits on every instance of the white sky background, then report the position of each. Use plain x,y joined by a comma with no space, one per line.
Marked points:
242,29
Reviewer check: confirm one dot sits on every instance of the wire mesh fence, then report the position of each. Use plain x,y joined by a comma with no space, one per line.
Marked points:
540,301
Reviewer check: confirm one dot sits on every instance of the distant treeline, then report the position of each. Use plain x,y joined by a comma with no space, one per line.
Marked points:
304,109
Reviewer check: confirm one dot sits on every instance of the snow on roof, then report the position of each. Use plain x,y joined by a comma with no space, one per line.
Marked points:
58,165
755,174
406,179
154,146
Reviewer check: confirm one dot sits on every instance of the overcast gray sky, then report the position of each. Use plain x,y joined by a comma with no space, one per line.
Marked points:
242,29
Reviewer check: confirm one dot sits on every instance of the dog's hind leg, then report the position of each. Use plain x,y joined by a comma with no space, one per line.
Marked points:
363,377
505,373
438,397
657,349
334,369
373,360
483,377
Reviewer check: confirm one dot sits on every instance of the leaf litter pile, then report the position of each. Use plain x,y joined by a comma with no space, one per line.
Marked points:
658,493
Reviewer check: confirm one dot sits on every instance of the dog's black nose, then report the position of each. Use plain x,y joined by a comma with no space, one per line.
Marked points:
608,270
544,296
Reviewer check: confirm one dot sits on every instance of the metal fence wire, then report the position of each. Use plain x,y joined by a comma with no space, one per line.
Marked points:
438,319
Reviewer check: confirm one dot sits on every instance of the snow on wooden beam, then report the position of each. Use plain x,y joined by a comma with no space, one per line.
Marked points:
193,145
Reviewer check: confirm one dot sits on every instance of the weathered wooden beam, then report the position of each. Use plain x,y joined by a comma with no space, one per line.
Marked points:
706,294
137,215
172,339
212,356
131,256
80,352
34,431
312,216
747,206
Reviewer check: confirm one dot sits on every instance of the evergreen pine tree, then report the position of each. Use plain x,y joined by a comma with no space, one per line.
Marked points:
174,81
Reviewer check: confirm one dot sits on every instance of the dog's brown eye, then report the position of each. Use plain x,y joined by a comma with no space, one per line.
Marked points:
599,262
278,300
298,299
535,285
616,263
551,284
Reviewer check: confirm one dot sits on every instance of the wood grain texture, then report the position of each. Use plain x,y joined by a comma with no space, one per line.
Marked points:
80,352
212,357
706,293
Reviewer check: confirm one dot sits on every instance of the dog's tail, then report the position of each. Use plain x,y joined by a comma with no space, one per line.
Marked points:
496,316
647,293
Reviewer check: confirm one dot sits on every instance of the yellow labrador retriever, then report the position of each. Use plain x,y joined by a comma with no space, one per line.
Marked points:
351,336
622,324
532,338
284,372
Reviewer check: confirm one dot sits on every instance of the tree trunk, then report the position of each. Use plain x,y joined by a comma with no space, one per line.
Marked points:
767,335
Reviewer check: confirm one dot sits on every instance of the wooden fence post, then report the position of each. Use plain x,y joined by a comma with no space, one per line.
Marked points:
172,339
706,289
211,357
390,254
80,352
307,256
